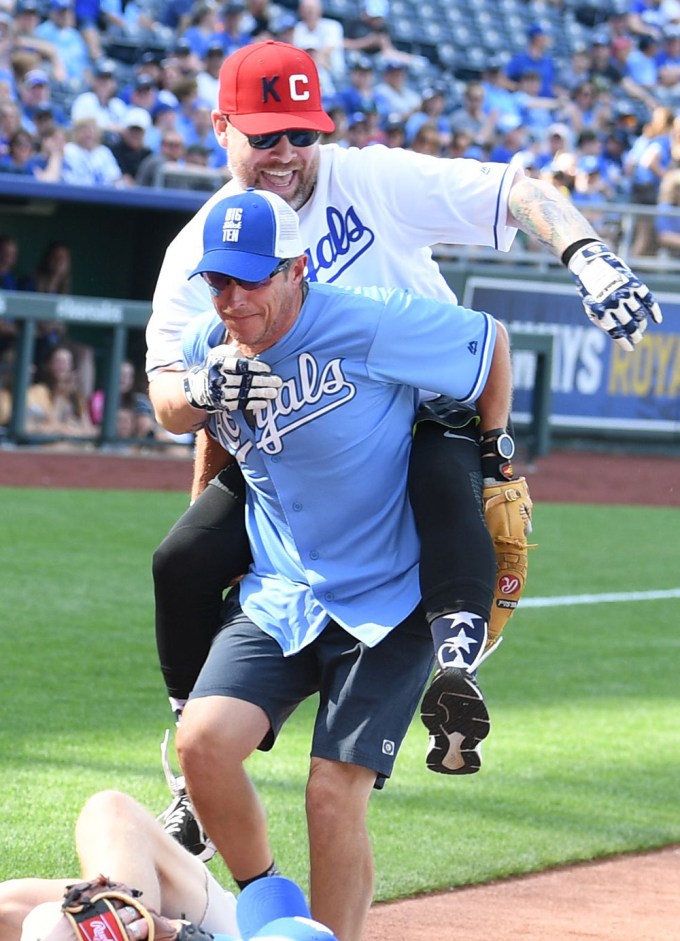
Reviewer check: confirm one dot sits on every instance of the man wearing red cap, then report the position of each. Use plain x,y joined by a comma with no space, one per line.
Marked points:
367,217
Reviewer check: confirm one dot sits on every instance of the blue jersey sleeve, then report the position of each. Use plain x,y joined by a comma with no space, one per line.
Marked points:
200,335
433,345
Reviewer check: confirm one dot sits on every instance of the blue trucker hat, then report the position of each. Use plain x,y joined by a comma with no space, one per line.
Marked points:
246,235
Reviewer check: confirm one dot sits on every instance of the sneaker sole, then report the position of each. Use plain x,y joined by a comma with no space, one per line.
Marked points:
454,713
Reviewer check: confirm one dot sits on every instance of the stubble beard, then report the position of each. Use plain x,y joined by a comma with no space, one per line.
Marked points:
304,188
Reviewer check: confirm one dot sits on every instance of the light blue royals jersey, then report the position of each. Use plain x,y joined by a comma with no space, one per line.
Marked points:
327,511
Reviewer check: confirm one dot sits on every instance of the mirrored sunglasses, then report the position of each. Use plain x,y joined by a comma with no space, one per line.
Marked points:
220,282
296,138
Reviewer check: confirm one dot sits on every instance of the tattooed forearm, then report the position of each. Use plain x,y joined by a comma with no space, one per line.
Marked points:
540,210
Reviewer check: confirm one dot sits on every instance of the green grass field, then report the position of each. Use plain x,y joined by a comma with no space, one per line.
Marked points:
583,759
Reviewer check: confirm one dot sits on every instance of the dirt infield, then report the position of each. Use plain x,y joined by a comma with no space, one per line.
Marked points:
566,476
630,898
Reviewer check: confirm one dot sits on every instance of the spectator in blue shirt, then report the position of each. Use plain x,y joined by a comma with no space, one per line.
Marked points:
535,58
537,112
203,29
433,110
641,63
21,149
25,38
233,35
512,138
59,29
90,14
200,131
668,59
176,14
357,93
498,100
35,93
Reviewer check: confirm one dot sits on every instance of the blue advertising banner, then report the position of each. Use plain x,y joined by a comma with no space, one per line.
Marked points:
595,384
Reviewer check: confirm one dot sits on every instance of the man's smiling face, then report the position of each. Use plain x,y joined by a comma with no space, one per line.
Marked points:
288,171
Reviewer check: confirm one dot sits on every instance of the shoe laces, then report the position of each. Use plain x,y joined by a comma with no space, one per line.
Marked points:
178,814
175,782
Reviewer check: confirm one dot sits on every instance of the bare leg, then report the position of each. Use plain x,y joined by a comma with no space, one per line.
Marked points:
118,837
20,896
341,858
213,740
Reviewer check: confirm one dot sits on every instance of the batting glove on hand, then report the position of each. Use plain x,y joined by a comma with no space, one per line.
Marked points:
614,298
227,382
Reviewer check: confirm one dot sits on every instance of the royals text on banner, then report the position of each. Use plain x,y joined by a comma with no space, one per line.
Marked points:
595,384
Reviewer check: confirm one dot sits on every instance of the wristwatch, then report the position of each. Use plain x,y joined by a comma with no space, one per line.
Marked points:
502,443
505,446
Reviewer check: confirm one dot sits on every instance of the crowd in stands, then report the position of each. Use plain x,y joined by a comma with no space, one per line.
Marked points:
64,399
109,92
120,93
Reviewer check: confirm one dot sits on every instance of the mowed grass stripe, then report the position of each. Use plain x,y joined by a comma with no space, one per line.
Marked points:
582,761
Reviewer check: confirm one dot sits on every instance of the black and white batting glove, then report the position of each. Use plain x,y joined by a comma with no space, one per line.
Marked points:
228,383
615,299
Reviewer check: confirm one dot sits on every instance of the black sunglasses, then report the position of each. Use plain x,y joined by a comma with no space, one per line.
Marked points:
296,138
220,282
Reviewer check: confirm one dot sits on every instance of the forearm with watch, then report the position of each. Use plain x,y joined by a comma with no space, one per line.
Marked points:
493,406
497,449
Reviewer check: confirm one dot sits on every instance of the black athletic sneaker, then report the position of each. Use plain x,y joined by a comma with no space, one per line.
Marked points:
455,715
179,818
181,822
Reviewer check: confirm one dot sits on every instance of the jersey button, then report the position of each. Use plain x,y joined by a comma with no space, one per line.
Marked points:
313,554
297,506
330,596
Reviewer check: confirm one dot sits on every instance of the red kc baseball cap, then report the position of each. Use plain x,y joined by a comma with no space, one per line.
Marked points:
272,86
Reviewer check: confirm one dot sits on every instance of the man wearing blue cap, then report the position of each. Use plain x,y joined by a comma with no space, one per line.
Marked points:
329,381
367,216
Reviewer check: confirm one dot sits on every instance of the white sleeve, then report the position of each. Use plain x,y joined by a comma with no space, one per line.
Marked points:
176,299
455,201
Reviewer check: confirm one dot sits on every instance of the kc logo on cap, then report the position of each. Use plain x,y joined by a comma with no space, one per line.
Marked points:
272,86
298,88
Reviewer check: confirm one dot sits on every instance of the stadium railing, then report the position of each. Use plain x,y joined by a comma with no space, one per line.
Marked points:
119,317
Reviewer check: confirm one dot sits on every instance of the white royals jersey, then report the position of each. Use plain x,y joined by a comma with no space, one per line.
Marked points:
371,221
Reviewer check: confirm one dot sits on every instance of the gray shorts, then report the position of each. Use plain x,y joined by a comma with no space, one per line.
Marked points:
367,695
